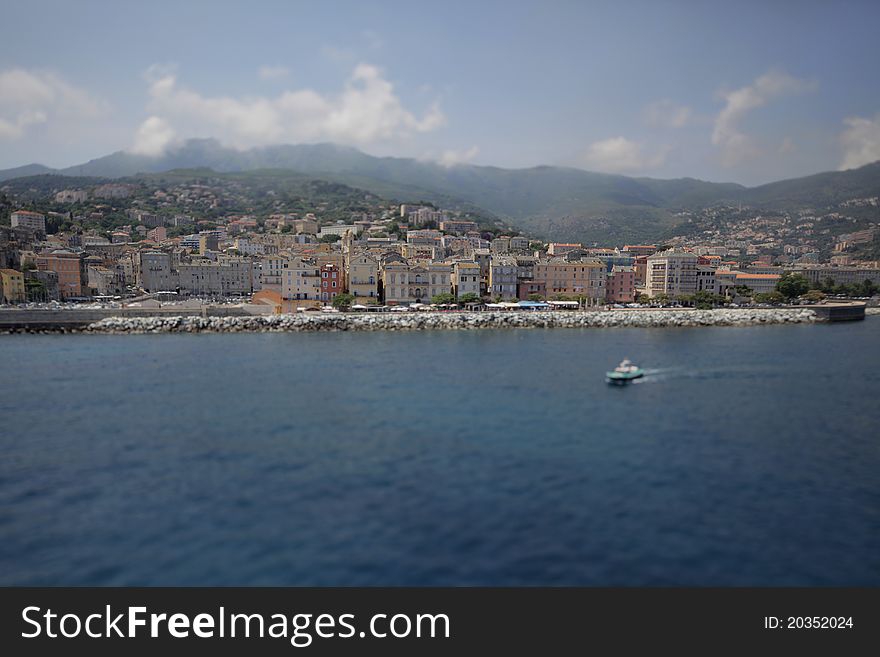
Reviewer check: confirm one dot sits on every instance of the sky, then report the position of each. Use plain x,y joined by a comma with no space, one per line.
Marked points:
746,92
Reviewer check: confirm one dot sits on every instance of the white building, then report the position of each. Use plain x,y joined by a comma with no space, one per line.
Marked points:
71,196
27,219
301,280
673,273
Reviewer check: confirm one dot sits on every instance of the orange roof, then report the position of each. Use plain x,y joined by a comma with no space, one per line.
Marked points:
761,276
639,246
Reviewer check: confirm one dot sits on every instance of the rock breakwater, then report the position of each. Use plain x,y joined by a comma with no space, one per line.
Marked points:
452,321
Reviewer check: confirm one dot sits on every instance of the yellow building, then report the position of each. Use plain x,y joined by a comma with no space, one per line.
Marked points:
12,286
581,278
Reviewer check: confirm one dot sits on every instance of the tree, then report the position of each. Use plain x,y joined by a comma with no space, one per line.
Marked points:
343,301
641,297
772,298
705,300
813,296
792,285
329,239
743,290
535,297
443,299
470,297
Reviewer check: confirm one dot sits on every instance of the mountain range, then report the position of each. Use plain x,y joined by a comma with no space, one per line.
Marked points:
554,202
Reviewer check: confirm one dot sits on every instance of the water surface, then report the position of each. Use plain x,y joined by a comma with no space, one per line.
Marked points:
748,456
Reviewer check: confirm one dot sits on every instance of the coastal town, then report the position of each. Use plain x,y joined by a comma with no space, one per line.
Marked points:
400,256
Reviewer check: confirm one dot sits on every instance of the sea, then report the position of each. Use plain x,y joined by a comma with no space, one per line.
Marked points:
745,457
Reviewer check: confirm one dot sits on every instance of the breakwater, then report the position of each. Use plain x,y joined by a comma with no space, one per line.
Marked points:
452,321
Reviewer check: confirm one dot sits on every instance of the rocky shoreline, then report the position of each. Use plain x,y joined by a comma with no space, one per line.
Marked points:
450,321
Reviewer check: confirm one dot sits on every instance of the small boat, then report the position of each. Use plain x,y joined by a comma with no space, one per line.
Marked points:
624,373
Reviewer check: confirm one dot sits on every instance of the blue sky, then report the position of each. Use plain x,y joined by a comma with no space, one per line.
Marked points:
747,91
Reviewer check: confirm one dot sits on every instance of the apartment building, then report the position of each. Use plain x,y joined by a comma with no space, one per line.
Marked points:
673,273
362,275
12,289
581,277
27,219
465,279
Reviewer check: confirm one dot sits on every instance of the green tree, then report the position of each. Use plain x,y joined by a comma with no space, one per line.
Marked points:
792,285
773,298
343,301
470,297
535,297
443,299
704,300
814,296
743,290
329,239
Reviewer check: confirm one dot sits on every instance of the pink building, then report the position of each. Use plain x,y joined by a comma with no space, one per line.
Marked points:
621,286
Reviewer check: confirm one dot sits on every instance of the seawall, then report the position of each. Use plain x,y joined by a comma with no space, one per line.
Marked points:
453,321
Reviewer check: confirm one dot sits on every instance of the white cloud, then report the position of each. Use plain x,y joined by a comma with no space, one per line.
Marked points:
366,111
272,72
29,98
860,141
153,137
667,114
619,154
735,145
451,158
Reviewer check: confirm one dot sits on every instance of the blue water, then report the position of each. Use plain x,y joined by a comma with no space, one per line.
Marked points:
748,456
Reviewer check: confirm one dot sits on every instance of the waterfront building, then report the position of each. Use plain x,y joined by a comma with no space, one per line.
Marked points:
332,282
301,280
838,275
503,277
573,276
758,283
621,285
465,279
271,271
28,219
227,276
362,275
67,266
154,272
706,279
12,288
673,273
104,281
405,282
48,281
